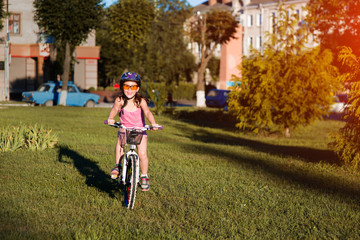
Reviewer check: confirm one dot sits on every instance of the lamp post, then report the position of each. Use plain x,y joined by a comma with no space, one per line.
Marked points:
7,57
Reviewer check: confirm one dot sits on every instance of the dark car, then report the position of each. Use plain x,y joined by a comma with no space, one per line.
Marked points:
217,98
49,93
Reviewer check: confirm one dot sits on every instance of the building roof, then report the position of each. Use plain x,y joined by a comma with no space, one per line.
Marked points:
257,2
262,1
204,7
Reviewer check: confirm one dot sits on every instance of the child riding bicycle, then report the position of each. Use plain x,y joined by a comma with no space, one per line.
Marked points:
132,108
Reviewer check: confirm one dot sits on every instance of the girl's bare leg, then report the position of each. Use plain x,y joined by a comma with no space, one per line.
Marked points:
119,151
142,151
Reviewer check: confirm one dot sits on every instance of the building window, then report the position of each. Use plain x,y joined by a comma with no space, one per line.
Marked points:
273,22
14,23
258,20
250,21
242,19
258,43
250,42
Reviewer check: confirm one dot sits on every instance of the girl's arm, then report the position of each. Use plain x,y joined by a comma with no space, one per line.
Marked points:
148,114
114,110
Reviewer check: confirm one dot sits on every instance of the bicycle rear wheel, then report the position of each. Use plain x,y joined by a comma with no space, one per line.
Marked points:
130,185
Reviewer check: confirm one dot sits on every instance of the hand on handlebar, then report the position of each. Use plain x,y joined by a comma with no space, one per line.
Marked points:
155,127
110,121
113,123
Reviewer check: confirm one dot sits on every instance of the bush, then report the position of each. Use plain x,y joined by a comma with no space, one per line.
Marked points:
346,143
32,137
12,139
184,91
158,94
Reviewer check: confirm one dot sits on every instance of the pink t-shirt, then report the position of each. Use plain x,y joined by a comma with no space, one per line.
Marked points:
132,119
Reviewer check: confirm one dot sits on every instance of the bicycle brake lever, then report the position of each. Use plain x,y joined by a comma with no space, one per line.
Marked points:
117,124
158,127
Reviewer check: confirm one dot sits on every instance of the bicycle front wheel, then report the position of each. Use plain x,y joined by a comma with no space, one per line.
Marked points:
130,185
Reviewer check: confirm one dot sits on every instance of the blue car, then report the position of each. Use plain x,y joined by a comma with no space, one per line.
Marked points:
49,93
217,98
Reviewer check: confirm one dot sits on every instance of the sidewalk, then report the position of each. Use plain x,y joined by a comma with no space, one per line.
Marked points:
14,103
179,103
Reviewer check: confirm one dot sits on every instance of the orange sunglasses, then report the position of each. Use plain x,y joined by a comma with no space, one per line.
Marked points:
132,87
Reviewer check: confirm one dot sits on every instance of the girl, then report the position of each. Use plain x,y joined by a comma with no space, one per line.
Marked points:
132,108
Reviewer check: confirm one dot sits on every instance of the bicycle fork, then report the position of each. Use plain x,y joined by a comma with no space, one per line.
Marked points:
125,164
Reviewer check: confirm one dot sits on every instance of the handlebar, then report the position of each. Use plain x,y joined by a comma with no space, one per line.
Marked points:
119,125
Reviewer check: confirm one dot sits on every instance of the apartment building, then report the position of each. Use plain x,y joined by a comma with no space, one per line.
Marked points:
258,17
29,54
255,18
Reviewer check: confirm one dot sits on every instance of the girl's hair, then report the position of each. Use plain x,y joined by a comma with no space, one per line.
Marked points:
137,98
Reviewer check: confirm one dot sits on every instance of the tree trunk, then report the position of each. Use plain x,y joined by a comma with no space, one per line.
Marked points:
287,132
65,77
200,89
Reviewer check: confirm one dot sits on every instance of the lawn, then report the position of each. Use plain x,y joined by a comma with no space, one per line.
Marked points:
208,181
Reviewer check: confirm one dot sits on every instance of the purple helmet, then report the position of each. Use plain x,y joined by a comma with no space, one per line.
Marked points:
130,76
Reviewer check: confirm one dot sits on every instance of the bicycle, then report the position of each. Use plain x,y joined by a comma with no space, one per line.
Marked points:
130,167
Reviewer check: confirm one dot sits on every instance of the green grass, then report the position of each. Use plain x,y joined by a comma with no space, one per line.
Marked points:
208,181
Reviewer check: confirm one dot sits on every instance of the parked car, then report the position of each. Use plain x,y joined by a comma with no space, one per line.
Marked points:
340,103
49,93
217,98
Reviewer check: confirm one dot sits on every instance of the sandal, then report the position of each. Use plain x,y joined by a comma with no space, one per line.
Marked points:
115,172
144,184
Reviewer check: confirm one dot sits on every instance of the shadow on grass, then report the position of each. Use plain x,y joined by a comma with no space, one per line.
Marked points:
322,181
218,118
204,118
95,177
223,120
302,153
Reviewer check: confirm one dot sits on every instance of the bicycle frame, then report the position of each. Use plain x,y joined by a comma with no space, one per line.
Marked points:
125,162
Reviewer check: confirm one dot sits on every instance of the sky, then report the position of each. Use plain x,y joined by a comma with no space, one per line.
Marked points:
192,2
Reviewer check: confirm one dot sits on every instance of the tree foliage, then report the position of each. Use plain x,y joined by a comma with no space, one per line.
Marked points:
346,143
158,50
167,56
69,22
287,86
122,36
2,14
130,22
336,22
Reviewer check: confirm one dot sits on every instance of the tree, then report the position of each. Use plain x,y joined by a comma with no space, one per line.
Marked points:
346,143
69,22
130,22
2,14
209,30
158,51
289,85
337,23
167,57
122,35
